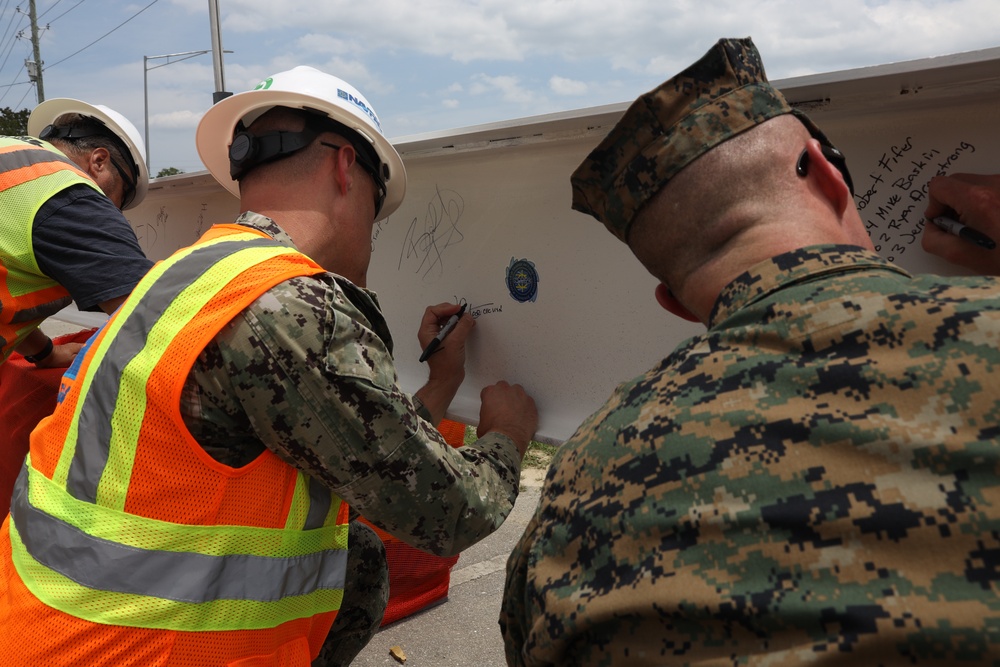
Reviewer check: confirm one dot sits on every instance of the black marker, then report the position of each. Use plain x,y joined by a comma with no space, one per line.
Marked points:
968,233
445,330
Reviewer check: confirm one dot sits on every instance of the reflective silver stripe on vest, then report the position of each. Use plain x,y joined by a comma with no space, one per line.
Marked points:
94,432
319,505
41,312
170,575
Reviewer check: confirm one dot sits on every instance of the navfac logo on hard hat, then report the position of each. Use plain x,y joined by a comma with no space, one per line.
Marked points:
344,95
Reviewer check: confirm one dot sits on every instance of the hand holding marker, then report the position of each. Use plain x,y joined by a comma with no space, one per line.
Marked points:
445,330
958,229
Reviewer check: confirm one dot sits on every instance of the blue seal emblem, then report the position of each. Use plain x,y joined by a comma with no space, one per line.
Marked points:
522,280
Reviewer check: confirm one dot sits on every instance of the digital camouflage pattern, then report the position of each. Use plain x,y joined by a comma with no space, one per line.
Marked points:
723,94
365,598
816,479
307,371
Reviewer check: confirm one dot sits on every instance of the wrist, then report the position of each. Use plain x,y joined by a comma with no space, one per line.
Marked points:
42,354
436,397
445,382
515,435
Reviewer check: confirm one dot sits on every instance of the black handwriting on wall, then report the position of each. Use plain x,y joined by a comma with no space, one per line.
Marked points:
894,196
428,239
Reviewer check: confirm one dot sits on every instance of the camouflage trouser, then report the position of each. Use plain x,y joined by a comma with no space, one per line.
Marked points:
366,593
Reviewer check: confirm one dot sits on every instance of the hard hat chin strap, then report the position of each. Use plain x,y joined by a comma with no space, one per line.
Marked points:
248,151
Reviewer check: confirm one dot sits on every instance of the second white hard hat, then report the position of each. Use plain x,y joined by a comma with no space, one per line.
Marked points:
50,110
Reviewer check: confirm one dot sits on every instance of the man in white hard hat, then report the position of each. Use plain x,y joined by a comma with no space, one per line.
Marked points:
64,235
193,497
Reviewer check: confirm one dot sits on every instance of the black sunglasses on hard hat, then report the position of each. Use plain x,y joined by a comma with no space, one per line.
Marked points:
128,186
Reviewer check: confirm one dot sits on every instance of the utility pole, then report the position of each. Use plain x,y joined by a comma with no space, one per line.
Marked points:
35,66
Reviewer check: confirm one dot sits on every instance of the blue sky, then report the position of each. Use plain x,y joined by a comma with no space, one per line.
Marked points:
436,65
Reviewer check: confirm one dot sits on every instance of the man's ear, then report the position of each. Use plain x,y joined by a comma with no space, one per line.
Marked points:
343,159
827,178
669,302
98,161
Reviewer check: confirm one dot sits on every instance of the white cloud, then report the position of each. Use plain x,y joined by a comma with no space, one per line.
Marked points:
408,56
464,31
563,86
653,37
325,43
175,120
509,87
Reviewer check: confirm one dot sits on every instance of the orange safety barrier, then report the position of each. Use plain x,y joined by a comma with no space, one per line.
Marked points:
27,395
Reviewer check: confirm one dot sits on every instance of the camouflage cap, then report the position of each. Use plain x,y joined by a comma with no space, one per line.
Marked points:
723,94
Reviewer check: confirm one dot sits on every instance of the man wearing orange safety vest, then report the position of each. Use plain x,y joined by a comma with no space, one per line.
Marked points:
62,192
193,499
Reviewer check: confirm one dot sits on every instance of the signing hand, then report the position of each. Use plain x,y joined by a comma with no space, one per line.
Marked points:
973,200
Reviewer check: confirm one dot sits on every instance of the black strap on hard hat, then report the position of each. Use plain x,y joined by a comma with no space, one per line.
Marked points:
248,150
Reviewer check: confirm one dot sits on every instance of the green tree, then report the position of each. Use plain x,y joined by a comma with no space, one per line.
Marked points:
14,123
169,171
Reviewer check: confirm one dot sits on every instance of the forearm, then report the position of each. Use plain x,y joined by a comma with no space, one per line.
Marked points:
451,499
414,485
436,396
343,420
409,482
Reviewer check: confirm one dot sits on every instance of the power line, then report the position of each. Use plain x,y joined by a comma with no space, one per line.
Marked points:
34,66
49,9
11,86
61,15
9,48
15,35
102,36
10,20
21,101
12,35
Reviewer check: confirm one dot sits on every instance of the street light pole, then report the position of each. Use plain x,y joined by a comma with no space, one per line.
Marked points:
145,78
220,77
145,104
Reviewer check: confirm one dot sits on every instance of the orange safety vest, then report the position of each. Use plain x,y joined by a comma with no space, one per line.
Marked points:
32,171
127,544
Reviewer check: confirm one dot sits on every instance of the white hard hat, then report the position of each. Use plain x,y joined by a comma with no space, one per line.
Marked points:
49,111
299,88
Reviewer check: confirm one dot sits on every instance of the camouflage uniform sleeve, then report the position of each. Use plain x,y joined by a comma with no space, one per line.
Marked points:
316,380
